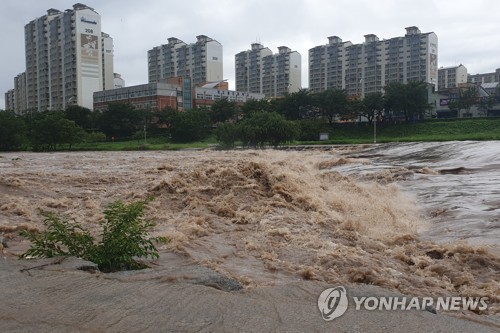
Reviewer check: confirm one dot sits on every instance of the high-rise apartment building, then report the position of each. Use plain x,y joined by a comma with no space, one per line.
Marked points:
281,73
15,99
108,75
10,100
260,71
327,65
249,68
451,77
201,61
20,93
368,67
68,58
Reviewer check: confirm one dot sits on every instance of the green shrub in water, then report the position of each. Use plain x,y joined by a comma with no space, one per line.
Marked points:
123,239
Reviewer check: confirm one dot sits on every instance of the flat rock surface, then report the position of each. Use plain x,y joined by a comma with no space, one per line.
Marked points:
176,295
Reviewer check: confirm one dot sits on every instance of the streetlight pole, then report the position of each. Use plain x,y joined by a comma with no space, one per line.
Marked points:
374,127
145,121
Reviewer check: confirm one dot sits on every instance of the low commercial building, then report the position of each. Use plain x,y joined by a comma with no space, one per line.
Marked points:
446,97
175,93
209,93
485,77
152,96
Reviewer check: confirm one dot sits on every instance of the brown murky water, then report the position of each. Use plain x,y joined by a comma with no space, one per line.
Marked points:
266,217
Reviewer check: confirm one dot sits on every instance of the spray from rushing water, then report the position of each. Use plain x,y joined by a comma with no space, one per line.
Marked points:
262,217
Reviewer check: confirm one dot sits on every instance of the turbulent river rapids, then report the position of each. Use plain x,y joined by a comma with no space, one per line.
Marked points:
420,218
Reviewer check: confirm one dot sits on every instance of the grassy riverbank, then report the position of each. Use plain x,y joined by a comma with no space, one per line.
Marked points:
155,143
431,130
345,133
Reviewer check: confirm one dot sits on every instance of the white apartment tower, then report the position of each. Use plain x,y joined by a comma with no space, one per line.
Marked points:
68,58
249,68
368,67
274,75
108,75
201,61
281,73
451,77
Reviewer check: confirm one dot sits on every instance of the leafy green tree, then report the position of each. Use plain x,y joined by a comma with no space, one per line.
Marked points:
486,103
310,129
223,110
189,126
13,131
50,129
261,128
254,105
395,97
356,108
148,118
70,133
467,98
333,103
81,116
296,105
372,104
227,134
95,137
120,120
408,99
163,119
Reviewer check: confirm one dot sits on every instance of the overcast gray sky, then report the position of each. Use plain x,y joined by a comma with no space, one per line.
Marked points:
468,31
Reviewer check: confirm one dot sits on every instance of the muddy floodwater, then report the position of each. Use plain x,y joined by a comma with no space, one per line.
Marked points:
418,218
